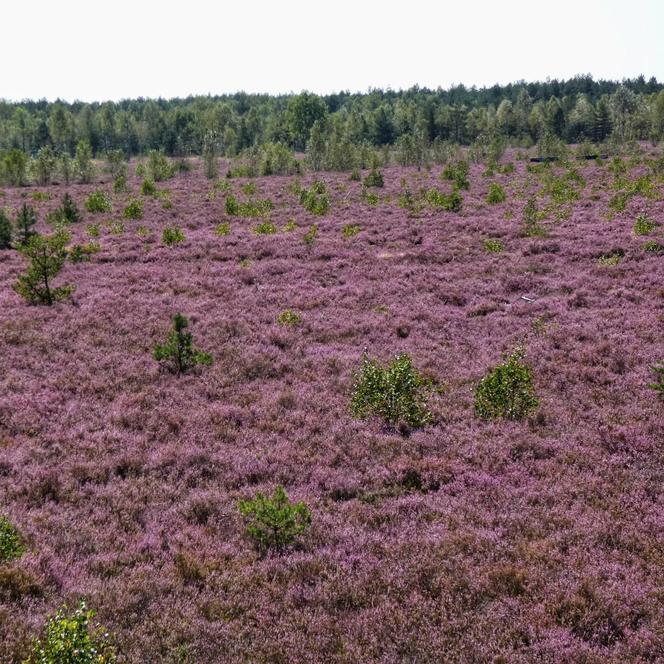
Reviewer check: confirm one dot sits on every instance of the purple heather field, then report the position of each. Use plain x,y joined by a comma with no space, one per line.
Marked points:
539,540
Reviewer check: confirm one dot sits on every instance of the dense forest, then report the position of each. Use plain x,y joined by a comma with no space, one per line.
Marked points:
36,135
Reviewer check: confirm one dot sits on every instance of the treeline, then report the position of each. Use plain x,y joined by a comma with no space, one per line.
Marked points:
575,110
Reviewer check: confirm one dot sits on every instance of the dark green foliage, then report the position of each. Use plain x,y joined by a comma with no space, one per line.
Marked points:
311,235
98,201
355,175
47,255
457,172
658,385
5,231
178,353
172,235
133,209
644,224
120,184
11,546
79,253
374,179
67,213
265,228
148,187
158,167
531,219
14,167
496,194
397,393
493,246
72,639
26,218
507,391
116,164
450,202
252,208
315,199
83,166
274,522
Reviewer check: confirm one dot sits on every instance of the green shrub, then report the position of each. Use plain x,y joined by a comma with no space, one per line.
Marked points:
250,208
507,391
26,218
178,353
11,545
644,225
658,385
83,166
223,229
531,219
172,235
98,201
493,246
120,184
289,226
133,209
611,258
311,235
47,255
274,522
158,167
148,187
450,202
265,228
396,393
315,199
72,639
350,230
289,317
457,173
374,179
370,197
67,213
654,247
5,231
15,167
496,194
249,189
79,253
355,175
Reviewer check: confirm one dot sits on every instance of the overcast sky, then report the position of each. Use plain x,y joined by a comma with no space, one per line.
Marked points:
91,50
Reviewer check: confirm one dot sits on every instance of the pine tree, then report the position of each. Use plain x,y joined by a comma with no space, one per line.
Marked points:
5,231
25,220
178,352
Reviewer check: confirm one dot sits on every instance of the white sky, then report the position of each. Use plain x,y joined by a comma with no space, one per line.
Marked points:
92,50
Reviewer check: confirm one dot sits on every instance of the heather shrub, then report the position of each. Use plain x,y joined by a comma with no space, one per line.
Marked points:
172,235
72,639
98,201
644,224
11,546
496,194
658,385
274,522
493,246
47,255
133,209
158,167
374,179
5,231
289,318
350,230
148,187
265,228
315,199
397,393
178,353
507,391
26,218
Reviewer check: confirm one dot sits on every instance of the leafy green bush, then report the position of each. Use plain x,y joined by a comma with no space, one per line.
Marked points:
67,213
72,639
644,224
11,545
158,167
658,385
396,393
172,235
98,201
250,208
507,391
350,230
457,173
133,209
531,219
289,317
274,522
493,246
82,252
120,184
178,353
47,255
374,179
355,175
496,194
148,187
370,197
610,258
83,166
14,167
315,199
450,202
265,228
651,246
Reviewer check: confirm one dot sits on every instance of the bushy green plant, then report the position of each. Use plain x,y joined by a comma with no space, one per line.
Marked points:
274,522
67,213
496,194
178,353
98,201
148,187
315,199
79,253
265,228
452,202
644,225
133,209
654,247
493,246
120,184
311,235
506,391
370,197
72,639
355,175
11,544
610,258
457,172
397,393
658,385
223,229
289,317
83,166
250,208
172,235
531,219
26,218
47,255
374,179
158,166
5,231
44,165
350,230
14,167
